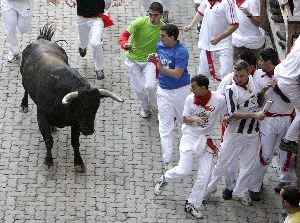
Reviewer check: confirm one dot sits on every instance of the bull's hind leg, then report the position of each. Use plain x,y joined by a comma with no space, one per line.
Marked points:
45,129
78,163
24,103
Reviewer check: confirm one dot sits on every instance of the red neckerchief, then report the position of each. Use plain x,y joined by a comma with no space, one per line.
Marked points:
270,73
252,71
239,2
203,100
212,3
243,86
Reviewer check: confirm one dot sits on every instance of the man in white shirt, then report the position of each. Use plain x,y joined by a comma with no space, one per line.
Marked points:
201,111
219,22
273,127
241,138
287,76
249,36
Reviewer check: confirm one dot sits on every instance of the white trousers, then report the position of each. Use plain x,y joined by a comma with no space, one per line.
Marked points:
243,147
225,59
272,130
293,93
143,81
146,4
184,168
92,28
13,22
170,104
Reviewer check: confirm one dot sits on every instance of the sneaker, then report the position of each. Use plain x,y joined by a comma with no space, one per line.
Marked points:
188,207
245,200
160,186
168,166
144,113
165,17
82,52
280,186
207,196
14,59
100,74
289,146
227,194
255,196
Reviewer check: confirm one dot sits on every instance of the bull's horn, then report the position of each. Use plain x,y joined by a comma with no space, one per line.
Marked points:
107,93
69,96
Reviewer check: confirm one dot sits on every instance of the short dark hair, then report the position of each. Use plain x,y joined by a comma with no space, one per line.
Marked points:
200,80
292,195
171,30
157,7
241,65
249,57
269,54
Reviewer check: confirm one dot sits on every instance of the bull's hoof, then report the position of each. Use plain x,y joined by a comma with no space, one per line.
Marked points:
23,109
80,168
48,167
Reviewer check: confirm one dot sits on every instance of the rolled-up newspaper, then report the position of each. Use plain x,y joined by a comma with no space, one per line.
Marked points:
267,106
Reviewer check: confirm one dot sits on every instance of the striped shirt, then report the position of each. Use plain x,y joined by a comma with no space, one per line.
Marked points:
239,99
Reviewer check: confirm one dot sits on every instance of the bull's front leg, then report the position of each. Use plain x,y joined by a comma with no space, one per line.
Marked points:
45,129
78,163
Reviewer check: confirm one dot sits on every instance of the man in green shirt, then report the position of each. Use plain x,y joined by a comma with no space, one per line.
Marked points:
139,40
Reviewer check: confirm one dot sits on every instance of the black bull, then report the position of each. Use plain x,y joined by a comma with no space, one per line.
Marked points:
62,96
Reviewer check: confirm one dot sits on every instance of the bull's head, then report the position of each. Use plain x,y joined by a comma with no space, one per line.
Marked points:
87,103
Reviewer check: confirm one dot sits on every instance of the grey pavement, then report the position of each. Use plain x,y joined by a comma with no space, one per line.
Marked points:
123,157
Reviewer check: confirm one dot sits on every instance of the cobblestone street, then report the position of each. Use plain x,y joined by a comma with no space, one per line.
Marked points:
123,156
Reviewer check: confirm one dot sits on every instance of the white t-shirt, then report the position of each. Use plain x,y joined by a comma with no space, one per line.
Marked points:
215,21
248,35
288,71
215,107
24,7
279,106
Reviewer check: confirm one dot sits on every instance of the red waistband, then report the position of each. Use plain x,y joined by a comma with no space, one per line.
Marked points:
269,114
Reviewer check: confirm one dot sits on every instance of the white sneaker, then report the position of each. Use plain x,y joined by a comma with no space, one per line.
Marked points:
168,166
192,210
245,200
14,59
207,196
144,113
100,74
160,186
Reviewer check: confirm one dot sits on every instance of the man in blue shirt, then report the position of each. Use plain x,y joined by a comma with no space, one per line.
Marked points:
172,61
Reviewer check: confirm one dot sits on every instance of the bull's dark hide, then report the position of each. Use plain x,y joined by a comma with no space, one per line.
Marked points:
49,80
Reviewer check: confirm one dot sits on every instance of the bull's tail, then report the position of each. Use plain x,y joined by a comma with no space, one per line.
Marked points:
47,32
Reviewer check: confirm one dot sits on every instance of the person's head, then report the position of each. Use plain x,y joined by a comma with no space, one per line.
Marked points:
199,85
250,58
290,197
169,34
268,59
155,13
241,72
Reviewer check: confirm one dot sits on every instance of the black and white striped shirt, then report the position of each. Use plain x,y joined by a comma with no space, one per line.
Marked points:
239,99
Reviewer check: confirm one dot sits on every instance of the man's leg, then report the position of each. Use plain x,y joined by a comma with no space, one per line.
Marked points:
165,4
166,116
137,82
149,72
203,65
226,61
179,101
203,178
10,21
84,27
97,44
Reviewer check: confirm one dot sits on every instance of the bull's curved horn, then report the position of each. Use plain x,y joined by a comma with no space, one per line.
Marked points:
69,96
107,93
